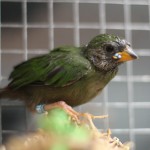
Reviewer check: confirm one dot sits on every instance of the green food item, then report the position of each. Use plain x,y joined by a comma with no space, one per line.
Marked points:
62,129
58,122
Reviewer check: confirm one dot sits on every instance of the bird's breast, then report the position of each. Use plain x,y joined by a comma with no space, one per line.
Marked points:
84,90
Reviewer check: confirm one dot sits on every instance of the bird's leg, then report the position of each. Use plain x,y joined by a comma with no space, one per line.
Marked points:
74,115
60,104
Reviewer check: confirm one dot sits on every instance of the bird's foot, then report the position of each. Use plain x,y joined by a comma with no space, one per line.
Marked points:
60,104
75,116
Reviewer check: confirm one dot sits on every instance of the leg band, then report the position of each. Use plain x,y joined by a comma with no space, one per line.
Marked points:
40,109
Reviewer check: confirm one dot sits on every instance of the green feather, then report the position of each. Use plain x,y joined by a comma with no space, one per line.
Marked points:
55,69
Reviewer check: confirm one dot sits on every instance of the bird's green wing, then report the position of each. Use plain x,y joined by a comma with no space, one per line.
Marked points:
61,67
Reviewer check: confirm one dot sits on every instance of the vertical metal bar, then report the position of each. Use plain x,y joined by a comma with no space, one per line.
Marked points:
51,23
0,53
76,23
102,16
0,82
24,10
25,44
127,15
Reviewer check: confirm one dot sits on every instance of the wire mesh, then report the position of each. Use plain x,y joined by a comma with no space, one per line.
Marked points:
39,25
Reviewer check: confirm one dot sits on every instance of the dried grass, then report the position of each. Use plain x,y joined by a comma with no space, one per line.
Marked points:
71,136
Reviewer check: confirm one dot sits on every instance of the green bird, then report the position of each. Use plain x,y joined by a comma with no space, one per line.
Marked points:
71,74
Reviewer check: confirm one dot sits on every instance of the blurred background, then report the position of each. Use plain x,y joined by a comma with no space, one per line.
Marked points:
33,27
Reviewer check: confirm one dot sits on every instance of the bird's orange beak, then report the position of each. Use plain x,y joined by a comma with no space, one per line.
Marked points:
126,55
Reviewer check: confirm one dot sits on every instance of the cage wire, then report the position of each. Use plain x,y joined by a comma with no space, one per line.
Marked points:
33,27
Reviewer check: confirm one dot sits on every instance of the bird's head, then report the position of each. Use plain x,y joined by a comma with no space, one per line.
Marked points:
108,51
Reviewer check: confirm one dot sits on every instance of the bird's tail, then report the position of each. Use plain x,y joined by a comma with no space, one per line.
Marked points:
3,93
6,93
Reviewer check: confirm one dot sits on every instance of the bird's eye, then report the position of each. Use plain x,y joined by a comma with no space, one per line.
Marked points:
109,48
